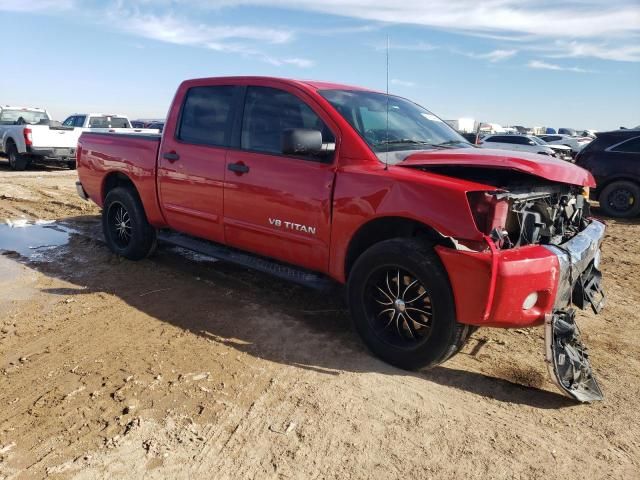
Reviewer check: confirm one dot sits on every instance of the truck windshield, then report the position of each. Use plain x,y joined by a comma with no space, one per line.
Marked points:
19,116
410,127
107,121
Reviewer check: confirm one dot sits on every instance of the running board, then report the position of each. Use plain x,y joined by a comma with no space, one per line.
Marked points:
567,358
283,271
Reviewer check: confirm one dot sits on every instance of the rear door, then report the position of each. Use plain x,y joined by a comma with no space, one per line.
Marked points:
274,204
191,164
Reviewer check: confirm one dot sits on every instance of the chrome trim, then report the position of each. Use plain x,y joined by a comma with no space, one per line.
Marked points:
574,257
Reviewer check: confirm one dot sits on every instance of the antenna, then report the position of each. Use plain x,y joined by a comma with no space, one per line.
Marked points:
386,143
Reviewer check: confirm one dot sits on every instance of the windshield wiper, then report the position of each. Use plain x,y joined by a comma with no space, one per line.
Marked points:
402,140
452,142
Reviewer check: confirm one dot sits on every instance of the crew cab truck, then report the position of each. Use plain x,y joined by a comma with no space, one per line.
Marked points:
29,134
101,122
433,237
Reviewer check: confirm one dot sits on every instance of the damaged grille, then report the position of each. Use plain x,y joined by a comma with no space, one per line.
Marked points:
524,209
545,217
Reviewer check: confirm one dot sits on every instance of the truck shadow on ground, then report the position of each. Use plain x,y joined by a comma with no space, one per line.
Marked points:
247,311
34,167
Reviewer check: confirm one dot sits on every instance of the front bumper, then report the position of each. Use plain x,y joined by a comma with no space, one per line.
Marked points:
490,288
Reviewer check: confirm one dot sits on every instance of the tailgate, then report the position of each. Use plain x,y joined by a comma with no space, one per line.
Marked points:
44,136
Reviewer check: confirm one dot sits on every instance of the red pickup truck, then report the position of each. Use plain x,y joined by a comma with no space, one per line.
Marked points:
312,181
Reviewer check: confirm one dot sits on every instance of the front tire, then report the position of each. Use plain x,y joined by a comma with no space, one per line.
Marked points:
17,161
620,199
402,305
125,226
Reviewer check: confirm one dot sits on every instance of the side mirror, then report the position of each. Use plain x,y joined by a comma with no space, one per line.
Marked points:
531,142
301,141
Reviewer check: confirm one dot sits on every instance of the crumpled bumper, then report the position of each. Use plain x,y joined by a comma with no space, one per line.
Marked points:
579,260
490,289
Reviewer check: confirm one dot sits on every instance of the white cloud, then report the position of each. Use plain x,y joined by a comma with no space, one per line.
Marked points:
35,6
497,55
619,52
239,39
540,65
402,83
532,17
170,29
412,47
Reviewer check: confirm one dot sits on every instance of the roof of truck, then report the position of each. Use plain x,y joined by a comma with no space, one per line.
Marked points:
26,109
317,85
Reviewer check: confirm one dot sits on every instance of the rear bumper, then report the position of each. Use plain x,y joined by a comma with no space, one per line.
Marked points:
490,289
53,153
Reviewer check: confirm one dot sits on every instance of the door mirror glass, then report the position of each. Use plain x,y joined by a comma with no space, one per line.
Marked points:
301,141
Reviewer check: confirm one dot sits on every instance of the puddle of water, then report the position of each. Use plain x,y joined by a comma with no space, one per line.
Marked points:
31,240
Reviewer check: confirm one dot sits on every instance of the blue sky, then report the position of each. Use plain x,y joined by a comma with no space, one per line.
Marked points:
552,63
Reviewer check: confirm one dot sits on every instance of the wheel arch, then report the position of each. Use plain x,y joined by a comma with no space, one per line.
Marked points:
385,228
617,178
6,141
114,180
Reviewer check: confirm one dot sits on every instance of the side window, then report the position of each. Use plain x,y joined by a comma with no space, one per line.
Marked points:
521,140
268,112
69,122
493,139
207,115
79,122
630,146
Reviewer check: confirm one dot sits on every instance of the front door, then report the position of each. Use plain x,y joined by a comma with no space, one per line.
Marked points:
191,166
274,204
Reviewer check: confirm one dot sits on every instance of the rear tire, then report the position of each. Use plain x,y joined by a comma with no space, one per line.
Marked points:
71,165
125,226
620,199
402,305
16,161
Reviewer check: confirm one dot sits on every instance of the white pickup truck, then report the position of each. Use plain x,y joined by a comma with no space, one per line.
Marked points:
96,122
29,134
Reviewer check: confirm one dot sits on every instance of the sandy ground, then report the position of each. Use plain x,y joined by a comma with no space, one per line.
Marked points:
181,367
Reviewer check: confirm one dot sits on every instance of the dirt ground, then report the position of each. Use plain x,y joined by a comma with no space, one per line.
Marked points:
183,367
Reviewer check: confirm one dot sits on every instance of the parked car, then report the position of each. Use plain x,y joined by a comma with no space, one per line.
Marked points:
562,151
470,137
575,143
138,124
29,134
522,143
614,160
105,122
312,181
156,126
568,131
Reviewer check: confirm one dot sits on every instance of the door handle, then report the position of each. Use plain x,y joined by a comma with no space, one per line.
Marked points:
238,168
171,156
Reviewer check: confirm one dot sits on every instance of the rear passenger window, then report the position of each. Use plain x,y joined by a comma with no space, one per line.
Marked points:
630,146
207,115
268,112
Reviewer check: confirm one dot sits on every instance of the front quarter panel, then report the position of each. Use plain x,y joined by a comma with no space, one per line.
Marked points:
367,192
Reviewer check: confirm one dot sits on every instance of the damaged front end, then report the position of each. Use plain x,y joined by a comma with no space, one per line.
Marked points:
527,211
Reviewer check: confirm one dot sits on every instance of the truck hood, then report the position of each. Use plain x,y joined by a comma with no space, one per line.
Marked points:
541,166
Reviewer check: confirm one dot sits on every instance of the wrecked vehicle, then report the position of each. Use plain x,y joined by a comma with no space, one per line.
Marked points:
312,181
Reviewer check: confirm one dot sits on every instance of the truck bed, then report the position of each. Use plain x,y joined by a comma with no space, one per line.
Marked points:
134,155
